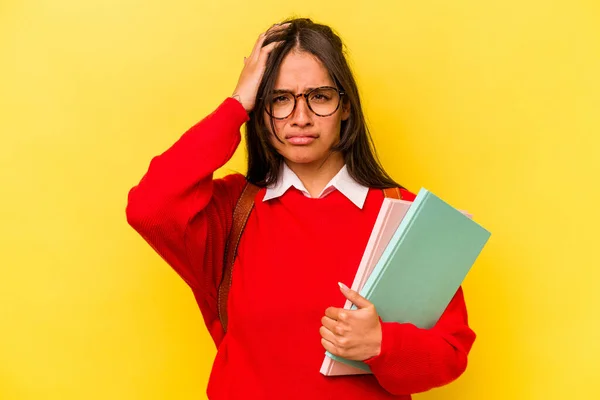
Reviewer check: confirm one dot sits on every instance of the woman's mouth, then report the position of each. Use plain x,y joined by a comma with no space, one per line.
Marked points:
300,140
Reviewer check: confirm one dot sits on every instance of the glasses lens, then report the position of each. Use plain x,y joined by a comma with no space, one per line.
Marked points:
324,101
281,105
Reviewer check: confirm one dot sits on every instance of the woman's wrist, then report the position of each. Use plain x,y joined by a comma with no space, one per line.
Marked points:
239,100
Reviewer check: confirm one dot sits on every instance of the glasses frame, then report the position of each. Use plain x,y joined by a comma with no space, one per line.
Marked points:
305,95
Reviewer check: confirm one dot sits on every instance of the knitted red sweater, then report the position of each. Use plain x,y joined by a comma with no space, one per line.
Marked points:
293,252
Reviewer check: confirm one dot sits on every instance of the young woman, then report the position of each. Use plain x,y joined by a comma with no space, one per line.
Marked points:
310,153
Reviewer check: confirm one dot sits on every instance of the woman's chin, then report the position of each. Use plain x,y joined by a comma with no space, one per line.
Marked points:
301,156
303,159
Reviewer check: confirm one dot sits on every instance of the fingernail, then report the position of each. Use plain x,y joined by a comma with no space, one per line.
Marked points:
343,287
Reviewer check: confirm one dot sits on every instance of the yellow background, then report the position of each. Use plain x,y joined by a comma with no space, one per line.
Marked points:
493,105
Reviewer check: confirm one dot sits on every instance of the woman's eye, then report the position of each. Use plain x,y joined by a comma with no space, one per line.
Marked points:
320,97
280,99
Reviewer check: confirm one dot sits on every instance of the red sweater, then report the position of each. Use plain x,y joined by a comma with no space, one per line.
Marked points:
293,252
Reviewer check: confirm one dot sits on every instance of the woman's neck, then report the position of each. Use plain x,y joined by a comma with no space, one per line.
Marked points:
314,176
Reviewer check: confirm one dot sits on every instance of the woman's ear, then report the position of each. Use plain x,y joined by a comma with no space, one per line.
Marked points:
345,110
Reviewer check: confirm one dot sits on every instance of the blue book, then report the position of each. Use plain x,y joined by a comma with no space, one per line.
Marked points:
423,265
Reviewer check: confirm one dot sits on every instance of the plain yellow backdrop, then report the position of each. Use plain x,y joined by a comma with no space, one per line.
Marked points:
495,106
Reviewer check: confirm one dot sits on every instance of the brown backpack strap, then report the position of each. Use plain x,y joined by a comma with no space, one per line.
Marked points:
242,211
392,193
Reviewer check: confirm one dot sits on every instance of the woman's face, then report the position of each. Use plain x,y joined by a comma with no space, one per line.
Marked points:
307,138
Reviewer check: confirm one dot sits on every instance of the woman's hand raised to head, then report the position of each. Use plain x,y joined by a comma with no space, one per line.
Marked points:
254,68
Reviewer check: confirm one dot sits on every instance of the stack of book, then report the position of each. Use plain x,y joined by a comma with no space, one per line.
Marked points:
416,258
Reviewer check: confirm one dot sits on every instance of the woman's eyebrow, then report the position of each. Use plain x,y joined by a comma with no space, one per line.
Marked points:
291,91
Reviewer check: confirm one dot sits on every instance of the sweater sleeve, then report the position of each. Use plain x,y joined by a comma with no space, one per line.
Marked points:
183,213
414,360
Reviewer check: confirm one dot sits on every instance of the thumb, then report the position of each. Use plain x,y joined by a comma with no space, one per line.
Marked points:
354,297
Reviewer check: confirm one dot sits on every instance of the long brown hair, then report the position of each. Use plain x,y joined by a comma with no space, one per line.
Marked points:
355,142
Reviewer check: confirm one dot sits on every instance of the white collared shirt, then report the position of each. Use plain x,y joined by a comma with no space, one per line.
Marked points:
342,181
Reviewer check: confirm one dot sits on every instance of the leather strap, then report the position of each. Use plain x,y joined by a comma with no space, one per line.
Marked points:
241,213
392,193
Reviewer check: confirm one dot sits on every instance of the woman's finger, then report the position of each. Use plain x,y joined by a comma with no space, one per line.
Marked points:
258,46
332,325
266,50
333,313
327,335
330,347
278,27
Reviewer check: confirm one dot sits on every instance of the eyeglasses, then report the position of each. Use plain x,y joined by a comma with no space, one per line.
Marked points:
322,101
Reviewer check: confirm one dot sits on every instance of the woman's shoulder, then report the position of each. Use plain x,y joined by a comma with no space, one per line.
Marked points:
230,186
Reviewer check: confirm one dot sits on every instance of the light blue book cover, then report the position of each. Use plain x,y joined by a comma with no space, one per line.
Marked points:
424,264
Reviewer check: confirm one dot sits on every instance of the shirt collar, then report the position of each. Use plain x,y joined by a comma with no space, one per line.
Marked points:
342,181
